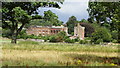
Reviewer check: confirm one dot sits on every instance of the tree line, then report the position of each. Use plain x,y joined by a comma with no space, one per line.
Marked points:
103,23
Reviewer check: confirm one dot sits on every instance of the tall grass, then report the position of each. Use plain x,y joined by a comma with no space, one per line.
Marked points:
87,59
31,53
30,45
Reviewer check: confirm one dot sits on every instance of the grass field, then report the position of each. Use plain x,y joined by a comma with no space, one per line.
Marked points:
29,53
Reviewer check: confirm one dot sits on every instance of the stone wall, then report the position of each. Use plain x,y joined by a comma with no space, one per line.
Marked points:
79,31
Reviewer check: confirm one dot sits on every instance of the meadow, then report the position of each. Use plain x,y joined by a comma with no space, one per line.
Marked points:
30,53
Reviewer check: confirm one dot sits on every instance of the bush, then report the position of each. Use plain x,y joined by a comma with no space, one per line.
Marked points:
60,37
82,42
87,38
101,33
68,40
66,37
45,38
76,39
33,36
52,39
22,35
115,41
114,34
99,41
6,33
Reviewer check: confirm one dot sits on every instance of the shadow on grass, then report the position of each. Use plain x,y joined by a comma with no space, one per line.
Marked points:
93,59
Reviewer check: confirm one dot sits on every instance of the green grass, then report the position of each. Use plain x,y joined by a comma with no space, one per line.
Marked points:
30,45
26,62
4,40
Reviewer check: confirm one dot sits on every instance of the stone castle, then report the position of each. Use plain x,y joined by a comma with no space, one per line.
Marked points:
47,30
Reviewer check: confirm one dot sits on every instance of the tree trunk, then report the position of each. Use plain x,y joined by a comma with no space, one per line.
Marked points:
13,41
15,32
14,38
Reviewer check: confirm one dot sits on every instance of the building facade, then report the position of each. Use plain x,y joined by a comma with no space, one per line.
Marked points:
79,31
46,30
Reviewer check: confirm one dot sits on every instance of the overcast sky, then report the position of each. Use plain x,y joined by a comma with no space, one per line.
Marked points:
77,8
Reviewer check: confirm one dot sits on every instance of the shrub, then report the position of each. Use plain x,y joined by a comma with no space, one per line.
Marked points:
60,37
114,34
6,33
33,36
99,41
87,38
45,38
68,40
101,33
65,37
22,35
114,41
76,39
52,39
82,42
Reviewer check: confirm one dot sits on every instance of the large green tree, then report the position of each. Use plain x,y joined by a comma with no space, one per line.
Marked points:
51,18
14,13
71,23
106,14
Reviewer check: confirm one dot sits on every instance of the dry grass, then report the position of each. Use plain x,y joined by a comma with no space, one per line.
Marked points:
46,57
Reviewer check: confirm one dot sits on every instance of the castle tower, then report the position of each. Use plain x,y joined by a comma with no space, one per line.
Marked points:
79,31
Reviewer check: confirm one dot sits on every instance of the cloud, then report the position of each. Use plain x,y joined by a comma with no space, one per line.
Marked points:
73,7
76,0
69,8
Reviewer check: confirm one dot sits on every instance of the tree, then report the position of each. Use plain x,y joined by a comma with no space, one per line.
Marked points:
51,18
89,29
14,13
105,14
101,34
83,21
71,23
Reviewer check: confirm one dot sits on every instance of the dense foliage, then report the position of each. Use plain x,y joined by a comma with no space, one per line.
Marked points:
70,24
68,40
60,37
101,34
89,29
14,13
105,14
49,19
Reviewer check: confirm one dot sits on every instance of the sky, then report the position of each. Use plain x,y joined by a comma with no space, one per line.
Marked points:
77,8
